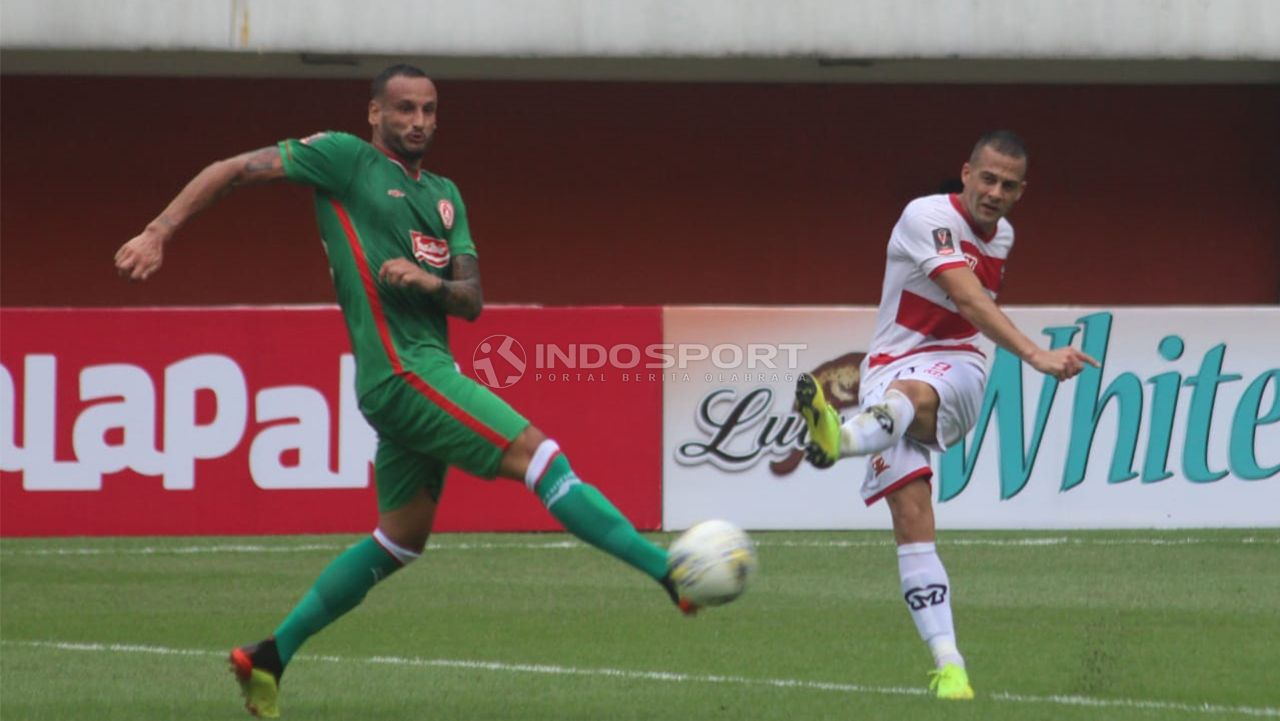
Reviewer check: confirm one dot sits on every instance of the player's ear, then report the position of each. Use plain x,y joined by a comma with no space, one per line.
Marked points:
375,112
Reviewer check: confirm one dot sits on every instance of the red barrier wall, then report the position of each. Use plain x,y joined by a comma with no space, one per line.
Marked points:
191,421
633,193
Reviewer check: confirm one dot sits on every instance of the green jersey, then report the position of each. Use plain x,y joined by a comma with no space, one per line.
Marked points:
370,209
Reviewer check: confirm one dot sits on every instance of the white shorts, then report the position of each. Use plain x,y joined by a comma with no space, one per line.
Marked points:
960,380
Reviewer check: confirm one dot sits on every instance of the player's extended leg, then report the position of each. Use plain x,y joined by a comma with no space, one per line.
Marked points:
908,407
409,485
581,508
926,588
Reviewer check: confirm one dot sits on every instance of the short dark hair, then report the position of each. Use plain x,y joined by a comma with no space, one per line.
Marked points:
399,69
1005,142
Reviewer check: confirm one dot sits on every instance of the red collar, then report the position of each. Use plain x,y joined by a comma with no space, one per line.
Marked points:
977,229
397,161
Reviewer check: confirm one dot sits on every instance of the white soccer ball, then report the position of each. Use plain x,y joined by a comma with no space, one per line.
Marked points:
712,563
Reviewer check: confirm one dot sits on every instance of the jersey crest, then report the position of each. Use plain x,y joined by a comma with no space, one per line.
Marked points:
445,208
942,241
432,251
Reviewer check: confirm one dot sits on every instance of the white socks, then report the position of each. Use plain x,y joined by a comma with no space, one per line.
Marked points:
877,427
928,595
400,553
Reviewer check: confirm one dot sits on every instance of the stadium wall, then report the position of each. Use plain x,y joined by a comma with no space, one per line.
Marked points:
657,193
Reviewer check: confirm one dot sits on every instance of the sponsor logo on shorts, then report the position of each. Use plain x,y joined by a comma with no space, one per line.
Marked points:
943,241
938,369
396,193
445,208
432,251
934,594
879,464
499,361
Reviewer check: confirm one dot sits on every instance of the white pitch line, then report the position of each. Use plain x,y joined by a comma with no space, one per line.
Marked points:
675,677
568,545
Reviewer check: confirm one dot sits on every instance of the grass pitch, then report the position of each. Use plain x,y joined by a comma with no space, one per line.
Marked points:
1096,625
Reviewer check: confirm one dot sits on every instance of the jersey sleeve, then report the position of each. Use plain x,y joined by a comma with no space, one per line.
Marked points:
325,161
459,236
929,240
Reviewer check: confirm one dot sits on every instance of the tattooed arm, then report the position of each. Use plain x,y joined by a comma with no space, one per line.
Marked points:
141,256
460,296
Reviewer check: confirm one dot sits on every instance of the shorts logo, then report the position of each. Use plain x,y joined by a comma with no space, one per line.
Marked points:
445,208
396,193
432,251
935,594
879,464
938,370
499,361
943,242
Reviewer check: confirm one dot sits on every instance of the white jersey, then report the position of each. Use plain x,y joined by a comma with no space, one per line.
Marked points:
916,316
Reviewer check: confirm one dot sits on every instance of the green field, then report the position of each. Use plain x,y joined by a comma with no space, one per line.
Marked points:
1097,625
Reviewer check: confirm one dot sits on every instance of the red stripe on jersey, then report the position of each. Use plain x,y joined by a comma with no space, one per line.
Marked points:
460,415
884,359
973,225
370,288
930,319
988,268
384,332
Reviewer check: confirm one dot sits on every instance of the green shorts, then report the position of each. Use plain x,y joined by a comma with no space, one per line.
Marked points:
430,419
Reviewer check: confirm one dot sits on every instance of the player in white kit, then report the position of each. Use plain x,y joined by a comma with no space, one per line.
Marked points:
924,376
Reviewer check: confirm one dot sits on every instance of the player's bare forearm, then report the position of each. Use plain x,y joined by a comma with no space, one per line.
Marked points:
141,256
461,296
216,180
979,309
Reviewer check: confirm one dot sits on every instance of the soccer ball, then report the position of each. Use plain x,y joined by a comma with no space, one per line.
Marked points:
712,563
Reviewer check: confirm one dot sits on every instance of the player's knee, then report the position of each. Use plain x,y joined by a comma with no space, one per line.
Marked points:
912,509
922,395
516,459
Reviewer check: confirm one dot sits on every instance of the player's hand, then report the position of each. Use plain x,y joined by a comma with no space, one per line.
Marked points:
140,258
404,273
1062,363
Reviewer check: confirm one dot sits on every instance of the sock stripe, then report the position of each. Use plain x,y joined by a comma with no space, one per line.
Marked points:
402,556
541,461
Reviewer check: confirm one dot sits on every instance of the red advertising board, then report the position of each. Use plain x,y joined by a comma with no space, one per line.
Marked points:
242,421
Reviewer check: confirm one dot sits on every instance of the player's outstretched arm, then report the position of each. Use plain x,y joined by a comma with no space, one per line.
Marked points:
460,296
139,258
977,307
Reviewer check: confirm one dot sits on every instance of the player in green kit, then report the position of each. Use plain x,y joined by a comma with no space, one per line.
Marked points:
402,260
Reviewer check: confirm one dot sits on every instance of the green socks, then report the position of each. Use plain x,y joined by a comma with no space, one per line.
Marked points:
579,507
340,588
587,514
